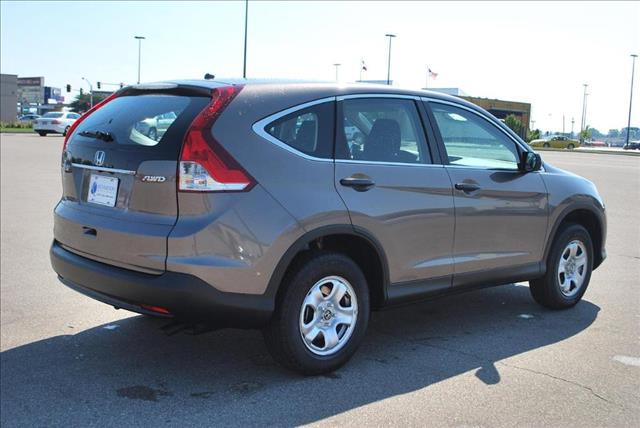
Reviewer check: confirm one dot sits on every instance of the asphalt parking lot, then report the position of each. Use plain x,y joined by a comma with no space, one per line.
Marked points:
486,358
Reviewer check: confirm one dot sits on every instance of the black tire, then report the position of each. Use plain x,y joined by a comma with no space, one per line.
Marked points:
64,134
570,146
546,145
152,133
283,334
42,133
546,290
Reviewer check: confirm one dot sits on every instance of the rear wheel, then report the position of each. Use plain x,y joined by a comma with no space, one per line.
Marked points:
570,146
322,315
42,133
546,145
64,134
568,270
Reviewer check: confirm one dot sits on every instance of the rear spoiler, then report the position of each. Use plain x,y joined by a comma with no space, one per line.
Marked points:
165,88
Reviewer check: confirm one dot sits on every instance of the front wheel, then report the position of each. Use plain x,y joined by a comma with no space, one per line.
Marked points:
66,130
569,268
546,145
42,133
571,147
321,316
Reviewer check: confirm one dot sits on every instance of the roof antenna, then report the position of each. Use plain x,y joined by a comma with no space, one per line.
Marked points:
209,76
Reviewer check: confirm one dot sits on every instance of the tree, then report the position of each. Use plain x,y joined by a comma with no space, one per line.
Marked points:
585,134
514,123
613,133
533,134
82,102
595,133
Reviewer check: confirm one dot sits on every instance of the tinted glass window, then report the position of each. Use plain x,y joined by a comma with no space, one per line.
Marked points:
309,130
381,130
52,115
141,120
73,115
471,140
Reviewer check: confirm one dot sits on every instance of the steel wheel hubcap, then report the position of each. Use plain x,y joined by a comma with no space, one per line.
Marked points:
328,315
572,268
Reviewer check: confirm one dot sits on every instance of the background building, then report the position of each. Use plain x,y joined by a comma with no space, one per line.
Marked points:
8,97
499,108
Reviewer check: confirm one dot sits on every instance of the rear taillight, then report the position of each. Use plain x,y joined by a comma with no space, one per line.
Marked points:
55,122
75,124
204,165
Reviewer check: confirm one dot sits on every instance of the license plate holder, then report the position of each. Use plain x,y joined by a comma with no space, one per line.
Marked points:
103,190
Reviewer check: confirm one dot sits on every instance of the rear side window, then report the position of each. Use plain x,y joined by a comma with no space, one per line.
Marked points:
381,130
143,120
53,115
309,130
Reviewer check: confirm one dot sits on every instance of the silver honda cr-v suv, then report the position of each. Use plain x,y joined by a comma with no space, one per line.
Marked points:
253,208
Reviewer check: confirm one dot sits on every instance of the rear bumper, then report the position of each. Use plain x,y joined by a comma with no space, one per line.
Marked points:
185,296
59,129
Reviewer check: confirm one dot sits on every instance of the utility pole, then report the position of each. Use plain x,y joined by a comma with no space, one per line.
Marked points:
337,66
140,39
246,21
633,69
390,36
562,123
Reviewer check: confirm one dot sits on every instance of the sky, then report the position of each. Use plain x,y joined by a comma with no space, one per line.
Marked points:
536,52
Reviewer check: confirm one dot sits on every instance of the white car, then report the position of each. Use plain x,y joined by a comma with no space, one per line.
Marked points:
55,122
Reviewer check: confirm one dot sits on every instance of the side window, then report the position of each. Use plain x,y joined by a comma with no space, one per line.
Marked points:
381,130
73,116
471,140
309,130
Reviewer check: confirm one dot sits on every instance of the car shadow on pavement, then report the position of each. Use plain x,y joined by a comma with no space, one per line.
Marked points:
131,372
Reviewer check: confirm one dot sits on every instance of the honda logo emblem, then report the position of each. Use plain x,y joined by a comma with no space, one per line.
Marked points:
98,159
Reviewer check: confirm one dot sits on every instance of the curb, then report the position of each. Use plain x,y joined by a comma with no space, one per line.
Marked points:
605,152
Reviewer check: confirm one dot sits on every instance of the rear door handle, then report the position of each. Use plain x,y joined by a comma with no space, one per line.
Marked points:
467,187
359,184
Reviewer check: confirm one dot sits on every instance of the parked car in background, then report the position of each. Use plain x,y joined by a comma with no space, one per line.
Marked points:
255,210
595,143
555,142
28,118
55,122
633,145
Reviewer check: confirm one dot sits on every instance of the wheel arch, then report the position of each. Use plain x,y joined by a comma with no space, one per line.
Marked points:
347,239
589,218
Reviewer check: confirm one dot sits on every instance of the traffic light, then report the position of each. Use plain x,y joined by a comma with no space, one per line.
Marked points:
81,92
68,88
98,85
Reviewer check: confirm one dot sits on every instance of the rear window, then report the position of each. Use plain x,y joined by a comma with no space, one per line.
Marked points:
54,115
143,120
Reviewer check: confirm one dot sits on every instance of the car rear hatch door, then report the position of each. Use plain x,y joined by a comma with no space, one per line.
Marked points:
119,170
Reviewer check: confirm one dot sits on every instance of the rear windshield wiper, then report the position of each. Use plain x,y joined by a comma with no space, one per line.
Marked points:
98,135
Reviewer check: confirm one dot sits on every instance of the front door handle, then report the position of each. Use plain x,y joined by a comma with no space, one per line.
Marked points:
467,187
360,184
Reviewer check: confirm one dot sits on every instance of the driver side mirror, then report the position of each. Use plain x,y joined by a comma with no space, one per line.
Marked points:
530,161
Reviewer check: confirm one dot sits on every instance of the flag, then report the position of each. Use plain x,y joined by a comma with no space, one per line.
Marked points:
432,74
364,66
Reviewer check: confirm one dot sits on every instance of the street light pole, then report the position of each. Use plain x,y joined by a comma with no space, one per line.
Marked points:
633,69
246,22
140,39
572,121
390,36
90,92
336,66
584,104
